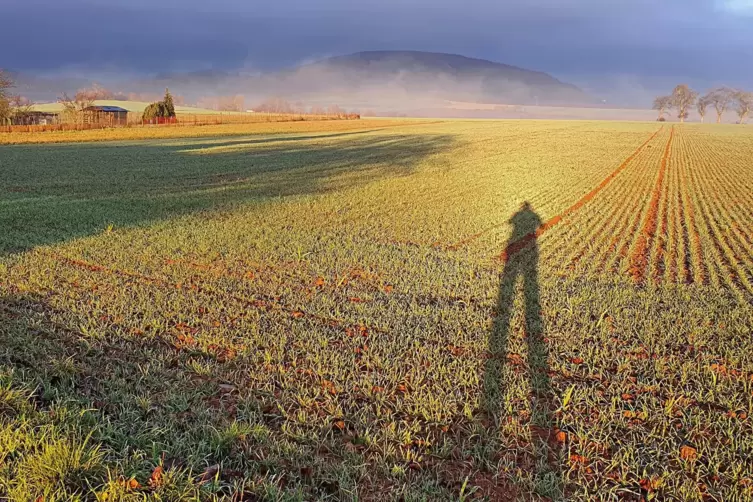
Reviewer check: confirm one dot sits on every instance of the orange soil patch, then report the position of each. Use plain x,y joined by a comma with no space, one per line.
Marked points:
639,258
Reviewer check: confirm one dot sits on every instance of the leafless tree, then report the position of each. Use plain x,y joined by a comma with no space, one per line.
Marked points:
99,92
275,105
232,103
662,104
744,102
683,97
20,108
74,108
701,105
720,98
6,84
335,111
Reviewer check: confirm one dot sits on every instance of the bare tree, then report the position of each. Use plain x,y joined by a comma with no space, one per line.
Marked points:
701,105
98,92
662,104
232,103
744,102
275,105
683,97
720,98
336,111
74,108
6,84
21,109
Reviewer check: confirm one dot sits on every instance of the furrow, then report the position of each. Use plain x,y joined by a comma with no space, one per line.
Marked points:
639,258
515,247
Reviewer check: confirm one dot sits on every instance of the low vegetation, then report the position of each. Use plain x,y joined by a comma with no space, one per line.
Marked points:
351,311
160,110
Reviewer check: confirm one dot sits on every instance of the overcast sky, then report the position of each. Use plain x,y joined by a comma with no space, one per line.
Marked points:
622,41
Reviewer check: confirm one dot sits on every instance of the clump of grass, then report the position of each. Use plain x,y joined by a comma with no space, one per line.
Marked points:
55,469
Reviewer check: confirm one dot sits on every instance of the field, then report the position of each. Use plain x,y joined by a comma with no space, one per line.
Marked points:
193,131
453,310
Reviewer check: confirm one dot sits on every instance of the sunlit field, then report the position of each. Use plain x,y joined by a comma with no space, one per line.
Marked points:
286,124
380,310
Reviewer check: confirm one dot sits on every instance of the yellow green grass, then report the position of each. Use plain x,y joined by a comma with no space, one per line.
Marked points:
327,312
281,126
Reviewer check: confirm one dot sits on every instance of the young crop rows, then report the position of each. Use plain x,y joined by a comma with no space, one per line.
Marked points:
483,310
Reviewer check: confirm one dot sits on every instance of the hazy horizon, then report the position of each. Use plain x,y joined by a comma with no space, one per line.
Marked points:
624,52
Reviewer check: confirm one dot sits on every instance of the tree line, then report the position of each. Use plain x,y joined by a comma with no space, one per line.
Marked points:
683,99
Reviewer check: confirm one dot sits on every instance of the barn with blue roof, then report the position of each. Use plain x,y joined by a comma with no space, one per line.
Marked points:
104,114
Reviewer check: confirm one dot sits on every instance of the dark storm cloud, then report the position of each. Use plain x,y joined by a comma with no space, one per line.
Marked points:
703,40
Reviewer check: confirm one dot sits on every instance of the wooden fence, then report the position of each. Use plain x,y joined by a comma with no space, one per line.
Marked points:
182,120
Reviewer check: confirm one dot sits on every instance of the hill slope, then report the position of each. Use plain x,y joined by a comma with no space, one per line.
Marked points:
397,81
445,76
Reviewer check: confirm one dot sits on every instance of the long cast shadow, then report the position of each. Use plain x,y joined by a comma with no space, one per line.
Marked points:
521,263
55,193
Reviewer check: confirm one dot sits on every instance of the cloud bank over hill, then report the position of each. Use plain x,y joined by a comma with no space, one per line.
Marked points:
586,42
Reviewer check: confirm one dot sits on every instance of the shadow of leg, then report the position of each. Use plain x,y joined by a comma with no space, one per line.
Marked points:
497,354
546,449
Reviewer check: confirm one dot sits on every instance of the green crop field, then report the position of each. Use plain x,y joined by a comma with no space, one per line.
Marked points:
457,310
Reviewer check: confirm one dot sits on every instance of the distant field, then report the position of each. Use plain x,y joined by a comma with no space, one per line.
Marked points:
198,131
350,311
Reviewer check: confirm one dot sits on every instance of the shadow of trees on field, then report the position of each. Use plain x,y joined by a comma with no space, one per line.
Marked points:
521,258
54,193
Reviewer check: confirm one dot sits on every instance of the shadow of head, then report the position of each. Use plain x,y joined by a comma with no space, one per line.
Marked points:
524,222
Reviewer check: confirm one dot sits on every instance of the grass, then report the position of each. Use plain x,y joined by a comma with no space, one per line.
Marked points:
346,312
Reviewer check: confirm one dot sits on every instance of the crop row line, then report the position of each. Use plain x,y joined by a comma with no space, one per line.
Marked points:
600,233
515,247
713,205
557,218
639,260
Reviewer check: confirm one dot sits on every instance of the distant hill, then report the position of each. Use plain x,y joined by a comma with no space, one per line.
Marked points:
444,76
383,81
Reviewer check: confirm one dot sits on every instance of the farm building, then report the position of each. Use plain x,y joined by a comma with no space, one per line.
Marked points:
112,115
35,118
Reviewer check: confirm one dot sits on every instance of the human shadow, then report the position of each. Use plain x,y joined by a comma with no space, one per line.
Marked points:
521,263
